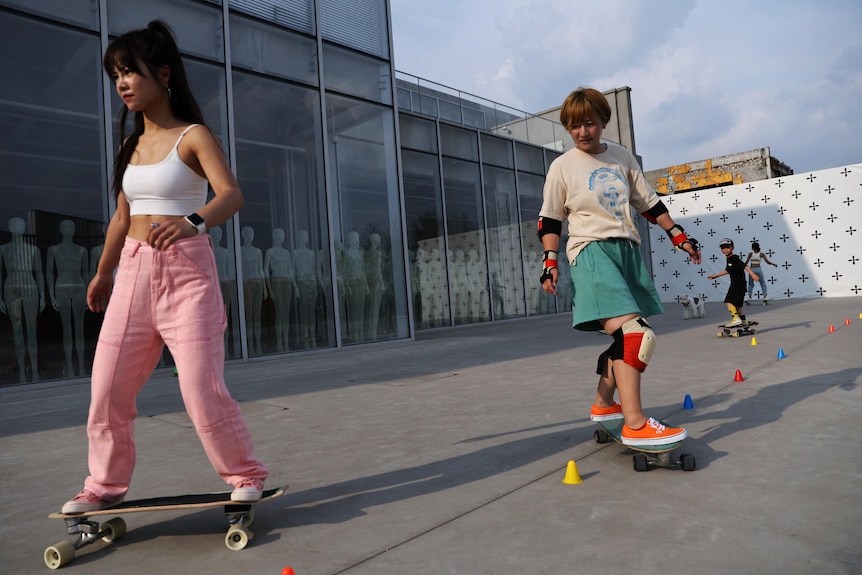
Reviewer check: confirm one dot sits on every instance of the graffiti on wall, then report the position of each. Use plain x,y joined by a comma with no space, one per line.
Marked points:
683,177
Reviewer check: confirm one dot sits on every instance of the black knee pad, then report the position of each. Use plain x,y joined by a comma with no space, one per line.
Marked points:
602,365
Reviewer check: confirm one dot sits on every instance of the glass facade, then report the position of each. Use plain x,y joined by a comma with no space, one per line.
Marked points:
471,202
346,237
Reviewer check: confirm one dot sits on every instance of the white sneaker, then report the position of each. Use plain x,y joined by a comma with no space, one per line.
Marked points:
87,501
735,323
247,491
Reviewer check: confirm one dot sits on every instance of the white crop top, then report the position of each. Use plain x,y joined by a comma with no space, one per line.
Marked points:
169,188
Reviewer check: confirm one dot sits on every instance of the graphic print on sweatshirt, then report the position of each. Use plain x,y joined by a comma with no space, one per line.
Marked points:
612,191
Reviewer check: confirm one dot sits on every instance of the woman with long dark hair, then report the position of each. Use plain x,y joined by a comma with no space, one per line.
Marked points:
166,290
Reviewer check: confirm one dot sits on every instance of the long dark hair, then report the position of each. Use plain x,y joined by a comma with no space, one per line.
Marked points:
154,47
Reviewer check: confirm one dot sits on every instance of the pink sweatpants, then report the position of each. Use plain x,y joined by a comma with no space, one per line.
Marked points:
164,297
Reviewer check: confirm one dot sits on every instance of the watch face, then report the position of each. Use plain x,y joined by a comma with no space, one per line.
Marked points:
195,219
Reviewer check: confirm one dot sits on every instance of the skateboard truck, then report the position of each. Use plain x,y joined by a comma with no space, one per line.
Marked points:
88,532
643,462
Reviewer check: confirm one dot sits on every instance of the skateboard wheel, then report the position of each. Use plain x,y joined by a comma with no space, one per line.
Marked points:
59,554
237,537
688,462
113,529
640,462
601,436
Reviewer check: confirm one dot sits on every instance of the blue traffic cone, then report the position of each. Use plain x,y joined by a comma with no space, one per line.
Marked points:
688,403
781,353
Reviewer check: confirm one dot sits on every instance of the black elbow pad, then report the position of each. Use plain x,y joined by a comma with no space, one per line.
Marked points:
655,211
549,226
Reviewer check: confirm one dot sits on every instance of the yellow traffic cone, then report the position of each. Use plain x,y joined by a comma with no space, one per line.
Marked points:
753,340
572,475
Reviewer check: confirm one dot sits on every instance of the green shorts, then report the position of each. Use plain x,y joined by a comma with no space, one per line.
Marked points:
610,279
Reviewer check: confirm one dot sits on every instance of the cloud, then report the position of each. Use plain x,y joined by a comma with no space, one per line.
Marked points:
707,78
558,45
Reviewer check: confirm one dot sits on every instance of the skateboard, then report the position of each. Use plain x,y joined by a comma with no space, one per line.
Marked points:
738,331
87,532
648,455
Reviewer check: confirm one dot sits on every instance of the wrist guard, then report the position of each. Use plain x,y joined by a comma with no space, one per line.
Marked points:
694,244
678,237
549,260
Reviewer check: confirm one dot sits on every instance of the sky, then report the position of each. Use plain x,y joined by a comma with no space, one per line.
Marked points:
708,78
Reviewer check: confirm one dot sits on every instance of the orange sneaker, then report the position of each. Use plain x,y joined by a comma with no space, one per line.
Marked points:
606,413
653,432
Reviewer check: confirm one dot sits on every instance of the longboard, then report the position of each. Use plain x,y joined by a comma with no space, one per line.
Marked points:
738,330
240,516
649,455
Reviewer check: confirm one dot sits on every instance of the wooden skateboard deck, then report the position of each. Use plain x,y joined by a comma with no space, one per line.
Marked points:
649,455
738,330
239,515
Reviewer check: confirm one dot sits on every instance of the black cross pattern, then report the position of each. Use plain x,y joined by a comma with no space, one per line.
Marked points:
804,267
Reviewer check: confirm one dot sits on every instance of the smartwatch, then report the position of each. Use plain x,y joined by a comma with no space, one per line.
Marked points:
197,222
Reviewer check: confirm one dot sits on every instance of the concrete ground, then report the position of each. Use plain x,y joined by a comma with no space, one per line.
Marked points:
446,456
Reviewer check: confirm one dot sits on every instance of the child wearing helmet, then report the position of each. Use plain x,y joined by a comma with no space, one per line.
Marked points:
736,269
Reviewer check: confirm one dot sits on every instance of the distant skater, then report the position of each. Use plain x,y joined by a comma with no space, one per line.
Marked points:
735,296
753,261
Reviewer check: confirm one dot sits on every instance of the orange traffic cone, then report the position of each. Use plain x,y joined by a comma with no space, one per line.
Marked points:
831,328
288,571
738,376
847,321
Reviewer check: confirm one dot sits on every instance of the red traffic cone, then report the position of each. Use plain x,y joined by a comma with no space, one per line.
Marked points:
831,328
288,571
847,321
738,376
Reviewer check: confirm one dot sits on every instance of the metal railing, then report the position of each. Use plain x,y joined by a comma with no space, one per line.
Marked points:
436,100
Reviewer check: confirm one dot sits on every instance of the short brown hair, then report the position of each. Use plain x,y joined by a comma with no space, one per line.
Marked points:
581,105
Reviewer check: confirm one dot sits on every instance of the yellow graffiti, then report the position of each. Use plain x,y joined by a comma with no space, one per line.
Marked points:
682,177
